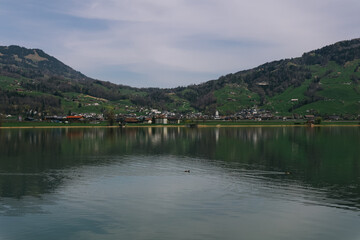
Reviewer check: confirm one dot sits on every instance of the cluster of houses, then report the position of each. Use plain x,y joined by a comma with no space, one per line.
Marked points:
253,114
171,118
155,116
86,117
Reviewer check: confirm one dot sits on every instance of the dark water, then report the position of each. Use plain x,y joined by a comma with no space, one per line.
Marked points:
244,183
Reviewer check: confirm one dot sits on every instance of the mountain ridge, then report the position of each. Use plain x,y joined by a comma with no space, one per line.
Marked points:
323,81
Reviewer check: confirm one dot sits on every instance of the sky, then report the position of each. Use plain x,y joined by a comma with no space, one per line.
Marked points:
170,43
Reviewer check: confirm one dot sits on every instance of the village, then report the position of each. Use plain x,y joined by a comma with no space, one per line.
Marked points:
155,116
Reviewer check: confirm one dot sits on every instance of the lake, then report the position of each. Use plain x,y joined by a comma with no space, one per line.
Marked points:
180,183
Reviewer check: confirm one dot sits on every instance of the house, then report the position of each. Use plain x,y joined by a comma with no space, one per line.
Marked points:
309,117
334,118
217,115
155,111
161,120
78,118
54,118
173,120
285,118
148,120
131,120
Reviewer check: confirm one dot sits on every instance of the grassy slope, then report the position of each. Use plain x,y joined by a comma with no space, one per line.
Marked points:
340,94
8,83
179,104
234,97
282,102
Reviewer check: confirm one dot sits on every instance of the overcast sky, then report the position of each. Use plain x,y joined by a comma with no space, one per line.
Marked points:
169,43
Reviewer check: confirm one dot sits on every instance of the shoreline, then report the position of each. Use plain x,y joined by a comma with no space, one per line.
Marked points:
185,126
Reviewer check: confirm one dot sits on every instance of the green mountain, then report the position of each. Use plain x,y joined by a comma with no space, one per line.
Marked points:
32,80
324,82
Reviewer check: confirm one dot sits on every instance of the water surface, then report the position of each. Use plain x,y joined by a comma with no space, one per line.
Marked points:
244,183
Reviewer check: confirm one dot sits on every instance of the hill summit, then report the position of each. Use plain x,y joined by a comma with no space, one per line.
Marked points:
34,63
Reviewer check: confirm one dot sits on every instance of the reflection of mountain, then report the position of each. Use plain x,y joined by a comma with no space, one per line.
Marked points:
36,162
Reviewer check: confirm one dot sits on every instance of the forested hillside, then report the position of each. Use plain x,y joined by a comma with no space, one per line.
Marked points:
323,81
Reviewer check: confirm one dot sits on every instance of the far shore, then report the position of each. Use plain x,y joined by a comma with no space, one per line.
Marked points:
42,125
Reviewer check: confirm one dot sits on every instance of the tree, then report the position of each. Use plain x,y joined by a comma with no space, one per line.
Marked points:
110,115
318,120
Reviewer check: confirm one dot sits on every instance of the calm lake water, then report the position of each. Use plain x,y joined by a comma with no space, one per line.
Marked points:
244,183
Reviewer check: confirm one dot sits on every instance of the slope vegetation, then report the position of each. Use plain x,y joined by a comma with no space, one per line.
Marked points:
324,82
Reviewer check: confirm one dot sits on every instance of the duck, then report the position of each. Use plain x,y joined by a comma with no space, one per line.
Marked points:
188,171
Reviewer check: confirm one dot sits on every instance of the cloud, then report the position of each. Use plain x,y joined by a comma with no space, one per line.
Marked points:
167,43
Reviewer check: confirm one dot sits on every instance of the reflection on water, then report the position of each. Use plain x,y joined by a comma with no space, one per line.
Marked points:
233,172
317,156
